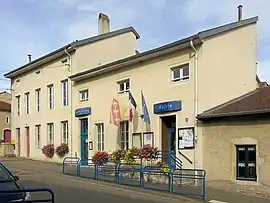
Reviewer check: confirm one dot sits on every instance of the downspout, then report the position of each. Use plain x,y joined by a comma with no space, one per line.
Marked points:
71,118
196,97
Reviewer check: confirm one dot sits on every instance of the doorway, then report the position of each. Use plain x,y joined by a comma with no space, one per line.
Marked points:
84,141
27,141
18,141
168,133
7,135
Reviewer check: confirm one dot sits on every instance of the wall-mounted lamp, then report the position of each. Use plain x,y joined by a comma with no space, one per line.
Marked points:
186,119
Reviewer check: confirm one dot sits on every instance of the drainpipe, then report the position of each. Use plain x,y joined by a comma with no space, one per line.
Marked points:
196,95
71,118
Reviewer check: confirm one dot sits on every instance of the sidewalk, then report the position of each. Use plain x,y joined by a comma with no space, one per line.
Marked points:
254,190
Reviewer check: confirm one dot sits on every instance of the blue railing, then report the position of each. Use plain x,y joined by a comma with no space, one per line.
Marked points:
169,157
189,182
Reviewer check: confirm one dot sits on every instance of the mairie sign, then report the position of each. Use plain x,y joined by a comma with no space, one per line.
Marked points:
83,111
167,106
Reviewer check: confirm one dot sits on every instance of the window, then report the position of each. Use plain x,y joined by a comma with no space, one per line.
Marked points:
84,95
65,93
123,86
27,103
180,73
100,136
50,97
38,100
246,162
124,135
50,133
38,136
7,119
18,98
64,130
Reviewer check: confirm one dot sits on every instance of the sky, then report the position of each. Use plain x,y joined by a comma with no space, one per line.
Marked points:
41,26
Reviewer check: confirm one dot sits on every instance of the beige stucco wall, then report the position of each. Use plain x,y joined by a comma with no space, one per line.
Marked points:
104,51
219,149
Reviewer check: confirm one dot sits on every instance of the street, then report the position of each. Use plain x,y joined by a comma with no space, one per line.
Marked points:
68,189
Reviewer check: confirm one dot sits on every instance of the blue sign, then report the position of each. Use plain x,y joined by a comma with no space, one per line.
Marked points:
167,107
83,111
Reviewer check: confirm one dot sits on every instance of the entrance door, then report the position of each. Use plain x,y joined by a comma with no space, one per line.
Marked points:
246,162
84,141
27,141
168,136
7,135
18,141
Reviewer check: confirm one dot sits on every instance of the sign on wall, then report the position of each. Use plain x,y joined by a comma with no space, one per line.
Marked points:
167,107
148,138
185,138
137,140
83,111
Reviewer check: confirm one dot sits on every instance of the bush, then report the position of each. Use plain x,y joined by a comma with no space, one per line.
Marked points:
48,150
163,167
100,158
148,153
117,155
62,150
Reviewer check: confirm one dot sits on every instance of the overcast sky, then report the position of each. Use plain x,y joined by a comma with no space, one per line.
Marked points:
40,26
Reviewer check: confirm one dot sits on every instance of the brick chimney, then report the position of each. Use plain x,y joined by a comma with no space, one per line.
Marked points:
103,24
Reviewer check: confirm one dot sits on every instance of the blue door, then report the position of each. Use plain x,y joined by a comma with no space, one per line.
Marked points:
84,141
172,145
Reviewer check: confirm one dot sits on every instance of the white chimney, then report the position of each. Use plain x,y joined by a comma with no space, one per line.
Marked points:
103,24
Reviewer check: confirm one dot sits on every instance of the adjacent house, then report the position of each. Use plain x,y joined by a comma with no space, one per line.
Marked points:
5,122
100,93
236,137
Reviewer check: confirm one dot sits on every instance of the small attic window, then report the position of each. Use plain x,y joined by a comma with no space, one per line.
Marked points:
37,72
64,60
18,80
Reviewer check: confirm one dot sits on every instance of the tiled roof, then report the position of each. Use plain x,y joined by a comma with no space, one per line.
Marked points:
5,106
254,102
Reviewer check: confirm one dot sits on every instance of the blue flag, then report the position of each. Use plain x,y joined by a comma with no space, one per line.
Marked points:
146,117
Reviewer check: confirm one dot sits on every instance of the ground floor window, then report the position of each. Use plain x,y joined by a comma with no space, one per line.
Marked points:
38,136
100,136
124,135
64,132
246,162
50,133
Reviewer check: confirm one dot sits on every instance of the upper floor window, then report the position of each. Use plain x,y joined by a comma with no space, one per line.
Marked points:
7,119
18,99
38,99
84,95
50,133
65,93
27,102
64,131
50,97
123,86
180,73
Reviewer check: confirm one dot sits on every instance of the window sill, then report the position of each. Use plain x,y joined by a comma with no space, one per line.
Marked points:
179,82
82,101
123,92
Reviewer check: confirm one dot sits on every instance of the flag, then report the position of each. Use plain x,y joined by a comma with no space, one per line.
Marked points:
146,117
115,113
132,106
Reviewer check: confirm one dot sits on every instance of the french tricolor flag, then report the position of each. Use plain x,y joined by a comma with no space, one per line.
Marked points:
132,106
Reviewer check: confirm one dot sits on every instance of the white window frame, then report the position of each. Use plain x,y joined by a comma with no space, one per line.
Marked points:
100,136
38,99
64,99
124,144
124,82
50,133
18,100
50,96
38,137
27,103
84,95
64,132
181,70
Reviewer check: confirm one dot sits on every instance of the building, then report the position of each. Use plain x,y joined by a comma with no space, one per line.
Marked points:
236,137
67,96
5,124
5,97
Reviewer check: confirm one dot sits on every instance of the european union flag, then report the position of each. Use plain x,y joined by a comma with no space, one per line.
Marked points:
146,117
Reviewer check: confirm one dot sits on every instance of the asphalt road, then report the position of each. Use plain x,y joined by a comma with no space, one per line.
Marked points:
70,189
76,190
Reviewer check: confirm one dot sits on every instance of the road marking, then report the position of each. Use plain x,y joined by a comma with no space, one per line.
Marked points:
216,201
